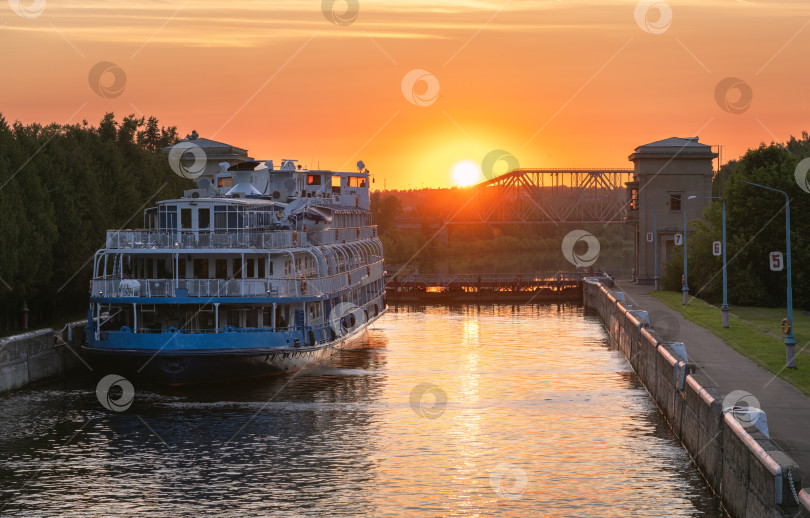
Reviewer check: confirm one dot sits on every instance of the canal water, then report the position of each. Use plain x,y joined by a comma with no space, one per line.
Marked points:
468,411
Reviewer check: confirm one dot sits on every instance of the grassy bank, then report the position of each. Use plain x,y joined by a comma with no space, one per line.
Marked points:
754,332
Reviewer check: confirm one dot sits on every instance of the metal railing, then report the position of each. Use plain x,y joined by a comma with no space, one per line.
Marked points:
270,287
188,239
342,235
496,280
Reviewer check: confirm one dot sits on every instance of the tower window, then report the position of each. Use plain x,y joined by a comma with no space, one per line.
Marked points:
675,202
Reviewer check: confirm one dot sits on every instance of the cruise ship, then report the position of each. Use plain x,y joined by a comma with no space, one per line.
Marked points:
261,269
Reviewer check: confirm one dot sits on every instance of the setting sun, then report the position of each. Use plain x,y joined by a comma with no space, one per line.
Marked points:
466,173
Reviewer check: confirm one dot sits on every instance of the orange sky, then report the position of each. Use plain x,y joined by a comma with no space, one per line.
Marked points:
556,83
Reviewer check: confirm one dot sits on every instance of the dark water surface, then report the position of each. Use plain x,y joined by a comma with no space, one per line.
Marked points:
490,411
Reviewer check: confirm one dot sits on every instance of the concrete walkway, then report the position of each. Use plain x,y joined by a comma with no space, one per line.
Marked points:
787,409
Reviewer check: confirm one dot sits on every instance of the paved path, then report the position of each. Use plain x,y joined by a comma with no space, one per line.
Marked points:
788,410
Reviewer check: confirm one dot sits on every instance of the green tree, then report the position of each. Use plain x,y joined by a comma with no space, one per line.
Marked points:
61,188
755,221
384,210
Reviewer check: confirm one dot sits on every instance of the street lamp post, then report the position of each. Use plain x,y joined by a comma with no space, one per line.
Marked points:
685,287
655,240
724,307
790,341
655,246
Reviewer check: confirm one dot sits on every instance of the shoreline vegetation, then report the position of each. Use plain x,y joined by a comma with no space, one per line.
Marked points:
755,226
753,332
63,187
478,248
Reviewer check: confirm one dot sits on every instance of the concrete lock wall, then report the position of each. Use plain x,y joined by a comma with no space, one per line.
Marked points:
40,355
744,468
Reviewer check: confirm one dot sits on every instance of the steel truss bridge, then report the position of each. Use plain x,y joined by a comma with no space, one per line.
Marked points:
544,196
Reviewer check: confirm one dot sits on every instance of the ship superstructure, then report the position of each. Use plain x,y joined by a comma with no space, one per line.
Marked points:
260,269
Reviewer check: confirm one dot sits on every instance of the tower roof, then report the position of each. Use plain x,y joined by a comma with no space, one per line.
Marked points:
214,149
689,147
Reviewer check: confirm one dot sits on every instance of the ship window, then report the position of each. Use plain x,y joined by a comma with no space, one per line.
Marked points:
220,218
185,218
336,184
266,318
221,267
167,217
251,319
261,266
357,181
237,268
181,268
251,265
232,218
201,268
162,271
314,179
204,218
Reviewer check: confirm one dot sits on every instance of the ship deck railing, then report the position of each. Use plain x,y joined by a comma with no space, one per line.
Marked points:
340,326
235,239
203,331
116,286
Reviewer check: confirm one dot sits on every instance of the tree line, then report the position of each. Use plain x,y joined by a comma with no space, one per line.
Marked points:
755,223
61,188
483,247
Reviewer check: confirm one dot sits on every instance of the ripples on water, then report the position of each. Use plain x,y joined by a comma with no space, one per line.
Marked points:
542,418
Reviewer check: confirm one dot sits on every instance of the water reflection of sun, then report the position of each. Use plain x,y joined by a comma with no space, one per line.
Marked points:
470,336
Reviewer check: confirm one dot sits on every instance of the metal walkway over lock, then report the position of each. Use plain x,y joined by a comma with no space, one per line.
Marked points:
485,287
544,196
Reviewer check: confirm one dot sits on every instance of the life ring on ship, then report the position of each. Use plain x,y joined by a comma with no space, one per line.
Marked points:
229,329
368,271
295,237
305,228
303,286
786,325
350,278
